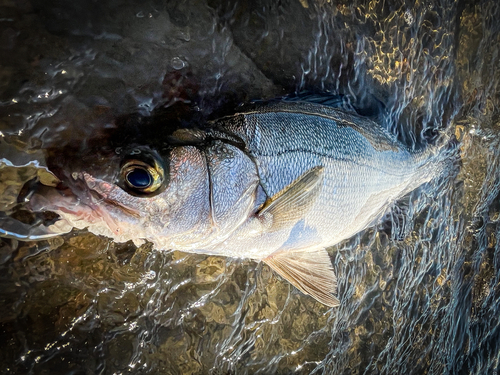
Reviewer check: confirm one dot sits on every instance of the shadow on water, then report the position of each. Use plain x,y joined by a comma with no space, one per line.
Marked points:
419,293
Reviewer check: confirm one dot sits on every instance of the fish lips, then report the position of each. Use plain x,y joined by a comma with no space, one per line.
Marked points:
103,193
85,198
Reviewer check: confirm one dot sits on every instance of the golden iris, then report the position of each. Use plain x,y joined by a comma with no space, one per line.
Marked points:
142,177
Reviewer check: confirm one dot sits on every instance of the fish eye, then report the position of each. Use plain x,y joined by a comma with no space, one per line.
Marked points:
140,177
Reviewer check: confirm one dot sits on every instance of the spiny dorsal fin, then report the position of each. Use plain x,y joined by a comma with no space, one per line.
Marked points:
187,137
292,203
309,271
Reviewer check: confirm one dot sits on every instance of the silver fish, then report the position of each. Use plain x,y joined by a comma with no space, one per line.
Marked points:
279,184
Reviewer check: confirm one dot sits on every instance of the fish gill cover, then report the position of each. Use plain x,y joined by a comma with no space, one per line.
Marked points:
419,292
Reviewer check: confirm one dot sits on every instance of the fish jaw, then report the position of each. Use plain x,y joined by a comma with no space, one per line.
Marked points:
94,207
105,202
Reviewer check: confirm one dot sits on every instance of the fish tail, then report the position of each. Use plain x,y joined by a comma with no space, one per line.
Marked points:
439,160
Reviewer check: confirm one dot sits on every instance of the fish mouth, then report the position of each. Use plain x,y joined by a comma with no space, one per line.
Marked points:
79,198
101,191
97,203
58,200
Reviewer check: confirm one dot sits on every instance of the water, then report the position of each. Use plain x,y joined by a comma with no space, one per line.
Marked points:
420,292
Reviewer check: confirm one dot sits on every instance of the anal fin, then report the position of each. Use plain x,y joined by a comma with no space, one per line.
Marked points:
293,202
309,271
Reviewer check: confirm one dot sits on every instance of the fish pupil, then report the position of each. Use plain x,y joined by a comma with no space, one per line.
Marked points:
139,178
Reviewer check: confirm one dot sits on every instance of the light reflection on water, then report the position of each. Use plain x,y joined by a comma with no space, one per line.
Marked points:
419,292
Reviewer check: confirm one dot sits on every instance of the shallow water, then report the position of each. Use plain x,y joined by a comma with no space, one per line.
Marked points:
420,293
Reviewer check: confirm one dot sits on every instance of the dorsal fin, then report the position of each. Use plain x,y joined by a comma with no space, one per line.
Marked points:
309,271
187,137
292,203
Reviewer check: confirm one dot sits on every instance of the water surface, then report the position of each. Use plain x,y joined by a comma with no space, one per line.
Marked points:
420,292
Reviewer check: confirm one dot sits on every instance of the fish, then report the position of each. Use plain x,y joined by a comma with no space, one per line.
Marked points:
278,182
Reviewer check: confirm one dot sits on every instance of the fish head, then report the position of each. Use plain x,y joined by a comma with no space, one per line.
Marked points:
137,194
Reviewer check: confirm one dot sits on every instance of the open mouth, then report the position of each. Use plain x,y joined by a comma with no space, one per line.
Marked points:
47,210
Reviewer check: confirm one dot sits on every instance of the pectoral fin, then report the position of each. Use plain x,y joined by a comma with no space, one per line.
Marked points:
309,271
292,203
